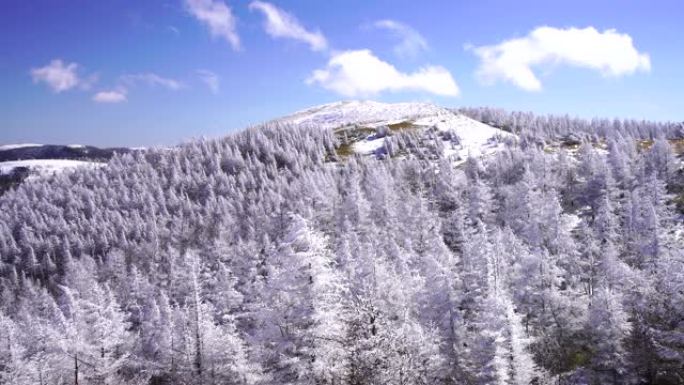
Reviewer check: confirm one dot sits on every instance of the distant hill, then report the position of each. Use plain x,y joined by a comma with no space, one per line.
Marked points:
21,161
52,151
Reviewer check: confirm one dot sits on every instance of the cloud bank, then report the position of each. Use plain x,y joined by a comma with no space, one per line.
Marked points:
280,24
609,52
360,73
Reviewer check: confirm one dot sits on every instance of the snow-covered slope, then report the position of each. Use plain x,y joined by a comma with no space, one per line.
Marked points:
476,139
368,112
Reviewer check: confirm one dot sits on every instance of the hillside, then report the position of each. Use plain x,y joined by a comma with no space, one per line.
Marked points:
21,161
355,243
363,127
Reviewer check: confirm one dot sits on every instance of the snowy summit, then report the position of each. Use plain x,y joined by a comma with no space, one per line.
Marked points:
461,136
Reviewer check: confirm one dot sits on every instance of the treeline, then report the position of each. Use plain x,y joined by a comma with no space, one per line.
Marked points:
558,126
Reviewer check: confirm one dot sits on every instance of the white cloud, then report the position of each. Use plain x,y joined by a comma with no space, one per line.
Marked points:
218,17
60,76
152,79
116,95
610,52
360,73
210,79
280,24
412,42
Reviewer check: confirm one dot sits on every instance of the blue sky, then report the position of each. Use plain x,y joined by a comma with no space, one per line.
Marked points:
161,72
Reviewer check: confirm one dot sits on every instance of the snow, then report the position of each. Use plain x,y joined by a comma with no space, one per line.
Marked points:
365,112
477,139
45,166
570,221
679,229
368,146
75,146
6,147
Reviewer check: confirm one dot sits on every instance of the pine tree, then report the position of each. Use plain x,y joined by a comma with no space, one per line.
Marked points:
95,336
14,367
609,327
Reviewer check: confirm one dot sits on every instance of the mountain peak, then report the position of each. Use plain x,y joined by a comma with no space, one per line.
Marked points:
346,112
459,135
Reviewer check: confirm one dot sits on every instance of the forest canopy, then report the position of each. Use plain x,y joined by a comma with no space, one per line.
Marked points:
267,257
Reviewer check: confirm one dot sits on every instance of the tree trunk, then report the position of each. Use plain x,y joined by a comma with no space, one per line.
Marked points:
76,369
198,340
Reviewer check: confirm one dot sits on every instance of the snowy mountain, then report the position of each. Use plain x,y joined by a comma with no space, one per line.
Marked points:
459,134
368,112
